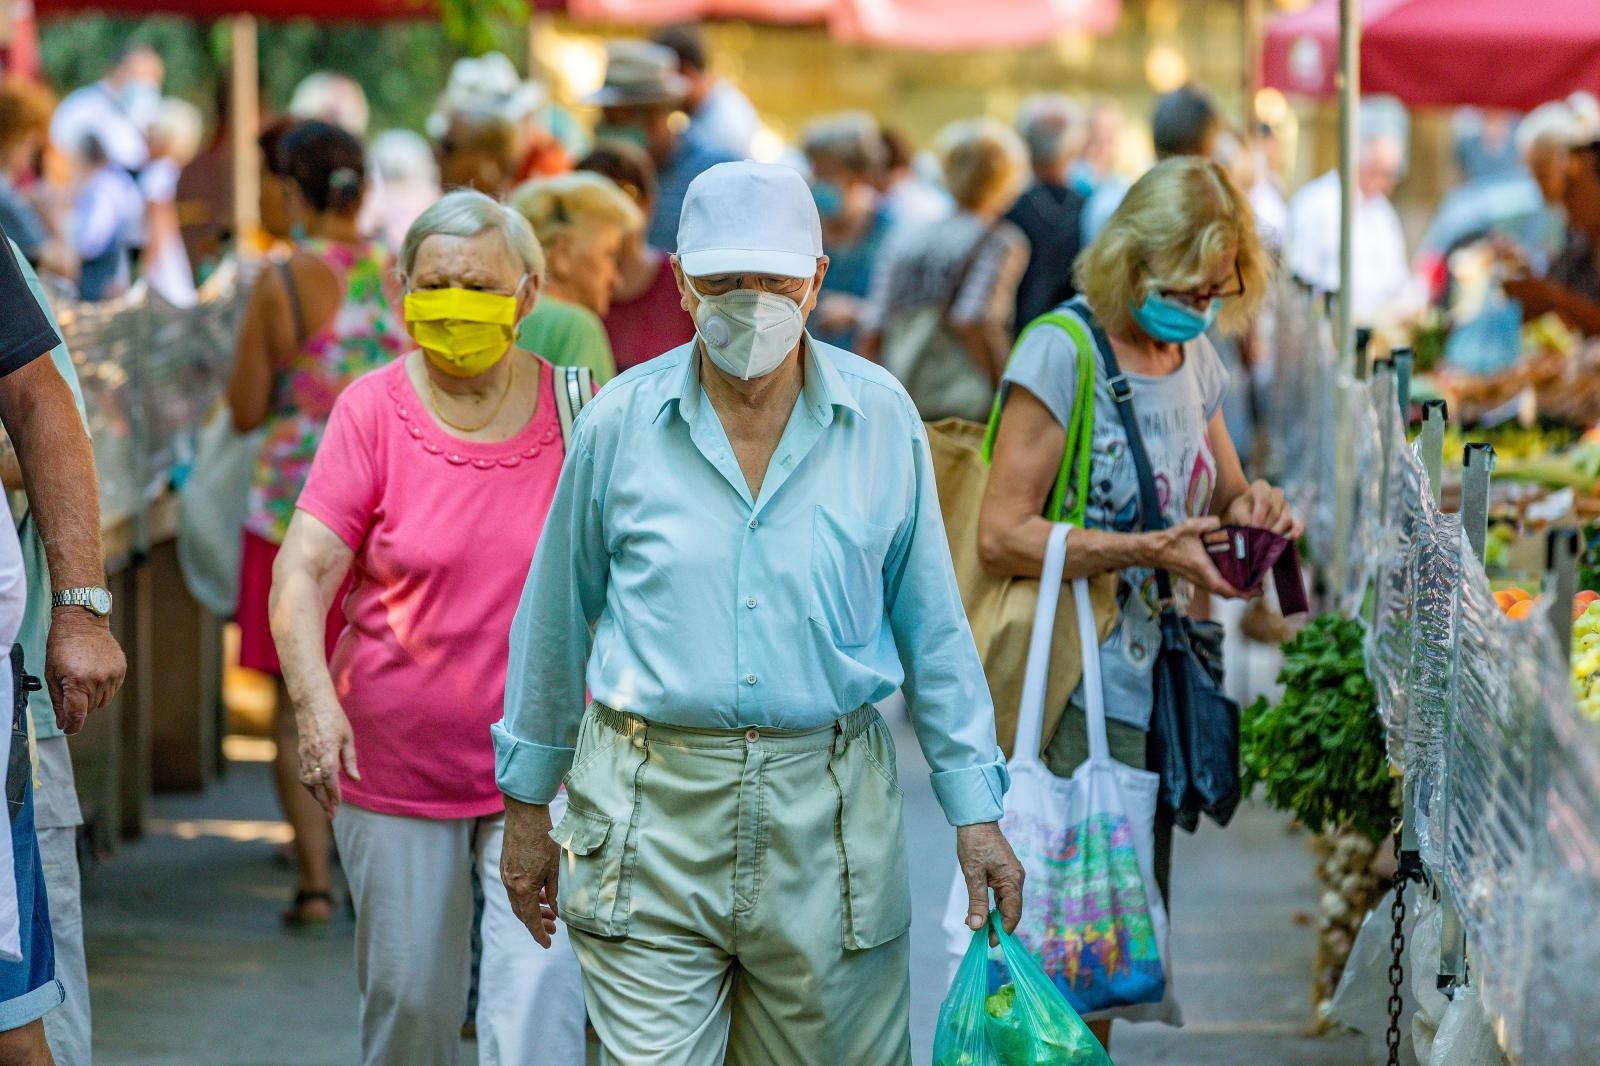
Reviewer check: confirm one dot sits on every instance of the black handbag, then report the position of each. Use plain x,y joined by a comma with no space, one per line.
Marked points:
19,767
1193,740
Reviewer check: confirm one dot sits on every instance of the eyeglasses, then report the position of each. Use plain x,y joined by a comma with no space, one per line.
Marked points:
1201,299
722,284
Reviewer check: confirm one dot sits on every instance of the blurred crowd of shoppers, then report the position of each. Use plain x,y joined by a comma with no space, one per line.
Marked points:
402,354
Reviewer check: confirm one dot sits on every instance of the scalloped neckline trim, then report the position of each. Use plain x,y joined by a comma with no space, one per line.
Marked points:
540,435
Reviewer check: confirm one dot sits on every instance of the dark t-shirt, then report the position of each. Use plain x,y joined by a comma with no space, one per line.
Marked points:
25,332
1050,216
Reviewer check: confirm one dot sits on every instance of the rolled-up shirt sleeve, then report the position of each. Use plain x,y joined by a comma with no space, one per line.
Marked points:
944,685
550,638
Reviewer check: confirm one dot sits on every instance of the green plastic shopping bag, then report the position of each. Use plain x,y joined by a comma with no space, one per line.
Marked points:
1010,1014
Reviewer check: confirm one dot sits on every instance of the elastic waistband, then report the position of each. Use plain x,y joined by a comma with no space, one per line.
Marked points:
835,735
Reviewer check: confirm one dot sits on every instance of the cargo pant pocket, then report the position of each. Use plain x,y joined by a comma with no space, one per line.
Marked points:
585,880
597,836
870,836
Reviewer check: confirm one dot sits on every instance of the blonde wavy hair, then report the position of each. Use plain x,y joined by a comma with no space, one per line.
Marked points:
984,161
1173,231
576,201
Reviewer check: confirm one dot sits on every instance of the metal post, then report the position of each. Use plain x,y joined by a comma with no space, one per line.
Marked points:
1562,548
1404,362
1478,462
1384,377
1349,100
1434,416
1250,27
245,120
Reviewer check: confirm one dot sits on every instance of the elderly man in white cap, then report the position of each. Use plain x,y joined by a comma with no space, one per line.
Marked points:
744,553
642,91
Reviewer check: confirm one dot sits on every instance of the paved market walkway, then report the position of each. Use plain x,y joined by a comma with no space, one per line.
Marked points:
189,966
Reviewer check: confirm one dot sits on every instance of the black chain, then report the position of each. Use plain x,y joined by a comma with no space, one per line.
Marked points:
1408,868
1397,944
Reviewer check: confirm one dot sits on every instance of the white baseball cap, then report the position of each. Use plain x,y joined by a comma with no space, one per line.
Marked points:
749,218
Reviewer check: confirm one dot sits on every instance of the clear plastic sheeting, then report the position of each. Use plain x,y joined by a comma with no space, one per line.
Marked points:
1300,419
150,374
1494,747
1503,770
1435,565
1405,508
1563,1011
1352,510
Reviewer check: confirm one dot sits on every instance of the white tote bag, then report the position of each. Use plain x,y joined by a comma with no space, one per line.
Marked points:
212,506
1091,912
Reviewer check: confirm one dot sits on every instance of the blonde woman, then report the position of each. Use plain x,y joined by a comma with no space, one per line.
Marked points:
941,304
1180,253
581,219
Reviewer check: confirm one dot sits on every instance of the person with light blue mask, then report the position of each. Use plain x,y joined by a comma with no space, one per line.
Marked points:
116,110
745,552
1178,255
642,92
845,154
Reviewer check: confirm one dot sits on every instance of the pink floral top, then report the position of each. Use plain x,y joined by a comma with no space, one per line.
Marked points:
365,333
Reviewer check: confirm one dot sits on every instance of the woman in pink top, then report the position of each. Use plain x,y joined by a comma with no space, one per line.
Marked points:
428,493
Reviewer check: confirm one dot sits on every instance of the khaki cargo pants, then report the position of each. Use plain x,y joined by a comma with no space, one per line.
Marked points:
738,896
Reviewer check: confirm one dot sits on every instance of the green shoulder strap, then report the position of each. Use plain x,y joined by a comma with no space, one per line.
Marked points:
1080,430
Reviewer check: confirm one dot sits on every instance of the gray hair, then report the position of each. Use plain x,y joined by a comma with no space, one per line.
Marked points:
403,156
851,139
1054,127
467,213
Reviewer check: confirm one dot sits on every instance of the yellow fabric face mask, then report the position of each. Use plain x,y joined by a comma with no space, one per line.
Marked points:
462,332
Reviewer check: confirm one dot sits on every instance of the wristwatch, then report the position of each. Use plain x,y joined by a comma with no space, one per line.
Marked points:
94,599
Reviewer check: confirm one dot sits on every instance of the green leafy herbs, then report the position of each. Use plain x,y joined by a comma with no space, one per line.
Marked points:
1320,750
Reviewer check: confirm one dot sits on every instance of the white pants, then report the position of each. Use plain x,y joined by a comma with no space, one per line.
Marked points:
411,881
57,817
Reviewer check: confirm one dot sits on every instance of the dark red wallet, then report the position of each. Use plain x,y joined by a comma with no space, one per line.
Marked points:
1245,554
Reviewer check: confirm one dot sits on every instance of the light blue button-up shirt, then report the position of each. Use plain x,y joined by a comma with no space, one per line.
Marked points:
710,609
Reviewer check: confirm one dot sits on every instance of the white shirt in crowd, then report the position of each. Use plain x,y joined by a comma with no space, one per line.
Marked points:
95,109
1381,279
13,599
167,266
725,122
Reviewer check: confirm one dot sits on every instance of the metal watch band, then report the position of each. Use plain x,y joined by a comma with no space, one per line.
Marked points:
83,597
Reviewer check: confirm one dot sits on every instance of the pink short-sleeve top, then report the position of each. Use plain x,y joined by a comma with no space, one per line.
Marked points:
444,532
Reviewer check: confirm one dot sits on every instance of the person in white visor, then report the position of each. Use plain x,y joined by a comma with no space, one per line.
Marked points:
744,553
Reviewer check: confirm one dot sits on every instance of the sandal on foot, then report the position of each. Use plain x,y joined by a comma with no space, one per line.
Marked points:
297,920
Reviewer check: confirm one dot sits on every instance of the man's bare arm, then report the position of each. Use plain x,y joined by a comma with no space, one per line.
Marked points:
84,666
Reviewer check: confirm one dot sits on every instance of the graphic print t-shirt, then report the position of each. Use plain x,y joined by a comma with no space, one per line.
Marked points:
1174,412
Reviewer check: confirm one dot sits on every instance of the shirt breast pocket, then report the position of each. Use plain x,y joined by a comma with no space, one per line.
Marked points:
847,576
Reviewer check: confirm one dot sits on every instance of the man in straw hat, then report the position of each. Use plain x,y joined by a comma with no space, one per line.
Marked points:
748,528
642,92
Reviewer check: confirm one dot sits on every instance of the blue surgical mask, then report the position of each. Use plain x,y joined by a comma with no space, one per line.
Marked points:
141,100
1171,322
829,198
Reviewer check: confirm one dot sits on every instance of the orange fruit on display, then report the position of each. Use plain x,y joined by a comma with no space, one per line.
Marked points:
1518,595
1521,609
1586,597
1504,600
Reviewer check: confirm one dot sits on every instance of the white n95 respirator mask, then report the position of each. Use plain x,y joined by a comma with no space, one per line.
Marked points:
748,333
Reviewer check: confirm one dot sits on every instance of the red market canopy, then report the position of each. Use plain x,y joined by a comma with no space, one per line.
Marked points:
1492,53
321,10
926,25
932,25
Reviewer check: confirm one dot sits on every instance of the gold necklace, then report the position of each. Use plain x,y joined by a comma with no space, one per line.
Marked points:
438,409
